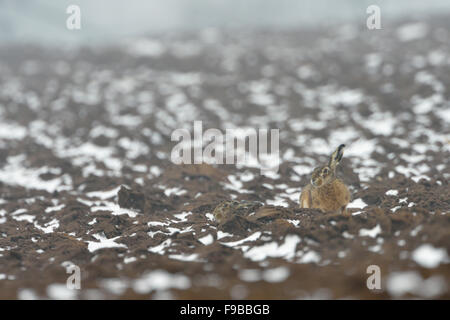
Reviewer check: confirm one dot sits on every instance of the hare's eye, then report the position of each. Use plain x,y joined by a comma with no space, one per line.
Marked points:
325,171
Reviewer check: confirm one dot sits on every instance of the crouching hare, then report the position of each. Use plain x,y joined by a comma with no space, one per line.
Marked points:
327,192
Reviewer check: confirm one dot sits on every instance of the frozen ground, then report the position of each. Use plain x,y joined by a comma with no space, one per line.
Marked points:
76,125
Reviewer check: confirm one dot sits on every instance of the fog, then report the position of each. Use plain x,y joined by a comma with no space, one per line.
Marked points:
106,21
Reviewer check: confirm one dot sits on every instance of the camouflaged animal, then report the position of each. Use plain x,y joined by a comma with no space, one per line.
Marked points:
228,208
325,191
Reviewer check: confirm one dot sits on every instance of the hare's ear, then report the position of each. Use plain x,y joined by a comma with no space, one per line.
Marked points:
336,157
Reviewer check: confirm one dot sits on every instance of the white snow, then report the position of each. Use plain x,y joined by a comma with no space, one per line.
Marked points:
49,227
114,208
279,274
412,31
184,257
221,235
357,204
160,280
103,243
182,216
250,275
144,47
401,283
176,191
59,291
207,240
54,208
103,195
373,233
252,237
274,275
12,131
161,248
14,173
310,257
392,192
286,250
430,257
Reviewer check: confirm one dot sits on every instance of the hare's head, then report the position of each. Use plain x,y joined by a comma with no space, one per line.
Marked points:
326,174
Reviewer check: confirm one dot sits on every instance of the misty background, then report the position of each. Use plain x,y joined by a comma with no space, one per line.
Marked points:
108,21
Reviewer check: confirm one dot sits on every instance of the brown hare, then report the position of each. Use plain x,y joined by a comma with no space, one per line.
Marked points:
228,208
326,192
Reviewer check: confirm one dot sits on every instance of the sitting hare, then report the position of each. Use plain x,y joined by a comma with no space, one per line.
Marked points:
326,192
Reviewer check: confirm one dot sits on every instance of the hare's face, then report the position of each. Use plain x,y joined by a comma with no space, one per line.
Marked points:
322,176
326,174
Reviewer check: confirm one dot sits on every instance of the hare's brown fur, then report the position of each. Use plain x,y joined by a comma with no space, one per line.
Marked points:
326,192
331,197
228,208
